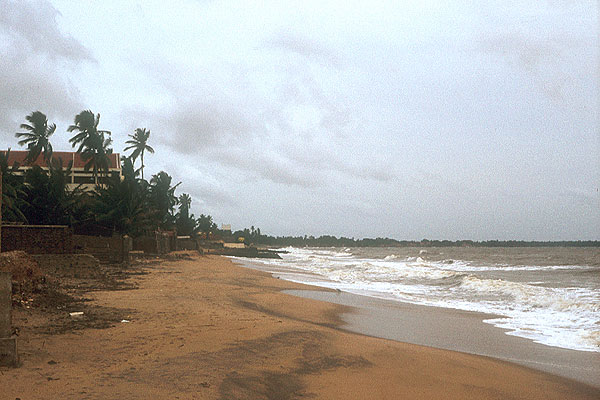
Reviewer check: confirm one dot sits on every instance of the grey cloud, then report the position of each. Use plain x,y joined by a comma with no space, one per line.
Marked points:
32,25
200,127
30,88
543,57
228,136
591,200
333,159
211,195
375,172
201,115
268,165
223,134
199,178
253,136
304,47
32,68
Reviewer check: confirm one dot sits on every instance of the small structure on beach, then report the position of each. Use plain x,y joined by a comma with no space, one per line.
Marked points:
234,245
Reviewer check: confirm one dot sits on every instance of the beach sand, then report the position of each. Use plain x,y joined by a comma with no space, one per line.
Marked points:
207,329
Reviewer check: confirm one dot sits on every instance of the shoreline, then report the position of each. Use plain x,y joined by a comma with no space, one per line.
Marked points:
456,330
207,328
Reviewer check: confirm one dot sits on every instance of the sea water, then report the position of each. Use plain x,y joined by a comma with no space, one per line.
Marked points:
549,295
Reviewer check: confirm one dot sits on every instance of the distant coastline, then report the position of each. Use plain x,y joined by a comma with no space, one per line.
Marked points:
332,241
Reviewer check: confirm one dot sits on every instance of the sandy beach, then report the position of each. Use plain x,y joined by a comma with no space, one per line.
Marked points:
204,328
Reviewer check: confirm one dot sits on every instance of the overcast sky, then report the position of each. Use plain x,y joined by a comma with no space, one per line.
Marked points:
408,119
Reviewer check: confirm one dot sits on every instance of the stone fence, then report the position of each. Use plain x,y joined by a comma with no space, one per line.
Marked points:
37,239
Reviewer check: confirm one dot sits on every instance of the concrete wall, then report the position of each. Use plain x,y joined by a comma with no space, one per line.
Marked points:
5,304
147,244
160,243
8,344
113,249
187,244
163,243
37,239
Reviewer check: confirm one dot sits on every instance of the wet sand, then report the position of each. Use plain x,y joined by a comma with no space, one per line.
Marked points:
207,329
458,331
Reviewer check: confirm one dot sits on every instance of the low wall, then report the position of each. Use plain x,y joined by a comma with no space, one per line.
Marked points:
5,304
8,344
112,249
59,239
187,244
147,244
159,243
37,239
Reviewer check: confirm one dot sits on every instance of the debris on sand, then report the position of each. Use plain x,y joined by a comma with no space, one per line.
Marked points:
27,277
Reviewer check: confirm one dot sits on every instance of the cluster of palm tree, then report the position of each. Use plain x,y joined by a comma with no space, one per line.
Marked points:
128,204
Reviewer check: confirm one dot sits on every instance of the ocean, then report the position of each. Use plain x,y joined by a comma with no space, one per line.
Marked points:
549,295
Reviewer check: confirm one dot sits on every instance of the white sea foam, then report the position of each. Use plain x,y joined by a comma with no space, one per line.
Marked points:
566,317
463,266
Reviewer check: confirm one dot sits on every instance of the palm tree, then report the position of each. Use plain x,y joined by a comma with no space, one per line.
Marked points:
185,202
86,126
205,224
92,142
37,136
162,198
96,155
12,190
185,222
47,196
123,205
138,144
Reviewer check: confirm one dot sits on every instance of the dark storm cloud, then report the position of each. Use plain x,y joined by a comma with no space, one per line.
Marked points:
35,55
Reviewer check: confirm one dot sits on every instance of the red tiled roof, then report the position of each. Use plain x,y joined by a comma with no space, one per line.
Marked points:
65,156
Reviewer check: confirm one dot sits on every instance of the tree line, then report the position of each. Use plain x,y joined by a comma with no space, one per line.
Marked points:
128,205
254,236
